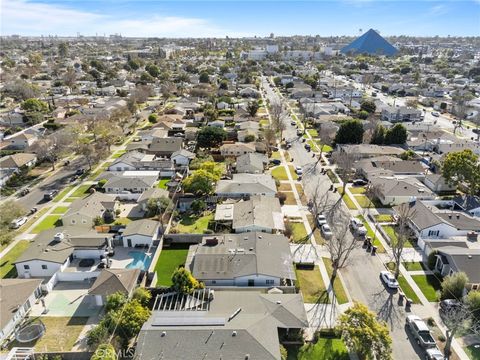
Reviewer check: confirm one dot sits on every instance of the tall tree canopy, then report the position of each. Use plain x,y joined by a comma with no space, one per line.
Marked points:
462,167
350,132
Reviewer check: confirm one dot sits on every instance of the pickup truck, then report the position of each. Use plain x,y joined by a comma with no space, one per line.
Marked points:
420,332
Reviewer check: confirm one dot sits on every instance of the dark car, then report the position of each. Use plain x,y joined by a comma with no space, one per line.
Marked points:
308,147
24,192
80,171
50,195
359,182
275,162
32,211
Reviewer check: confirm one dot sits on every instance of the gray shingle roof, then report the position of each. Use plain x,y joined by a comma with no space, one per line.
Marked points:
145,227
111,281
93,205
260,211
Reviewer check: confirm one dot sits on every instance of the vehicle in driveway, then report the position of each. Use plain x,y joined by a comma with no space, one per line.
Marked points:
15,224
388,279
359,182
420,332
50,195
321,219
326,231
434,354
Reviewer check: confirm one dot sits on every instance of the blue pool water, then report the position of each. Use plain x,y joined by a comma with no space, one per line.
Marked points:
140,260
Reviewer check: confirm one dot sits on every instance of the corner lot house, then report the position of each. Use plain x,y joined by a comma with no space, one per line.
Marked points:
140,233
83,212
16,298
249,259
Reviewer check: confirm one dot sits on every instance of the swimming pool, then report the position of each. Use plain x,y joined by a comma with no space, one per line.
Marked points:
140,260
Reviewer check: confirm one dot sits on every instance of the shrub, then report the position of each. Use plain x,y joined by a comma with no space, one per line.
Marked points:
142,295
432,259
115,301
453,286
282,197
153,118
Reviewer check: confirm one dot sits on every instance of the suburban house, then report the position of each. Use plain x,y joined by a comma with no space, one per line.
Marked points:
220,325
140,233
389,166
16,161
152,193
395,191
369,150
452,259
82,212
260,213
56,253
165,147
137,161
246,185
438,184
237,149
252,163
182,158
111,281
131,184
16,298
22,141
436,220
249,92
401,114
468,203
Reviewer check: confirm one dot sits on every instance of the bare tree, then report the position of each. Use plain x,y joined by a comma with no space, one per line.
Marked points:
345,163
457,319
342,243
404,213
54,146
277,114
269,137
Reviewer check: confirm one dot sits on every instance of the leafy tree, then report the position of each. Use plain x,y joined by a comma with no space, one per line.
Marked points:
200,182
396,135
350,132
252,108
473,302
153,70
462,167
156,206
198,205
35,105
115,301
63,49
362,332
362,115
104,352
223,85
134,64
130,319
249,138
368,106
146,77
210,136
453,286
153,118
9,211
142,295
204,78
98,334
378,135
184,282
98,220
407,155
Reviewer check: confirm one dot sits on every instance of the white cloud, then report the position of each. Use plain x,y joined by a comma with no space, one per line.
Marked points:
438,10
30,18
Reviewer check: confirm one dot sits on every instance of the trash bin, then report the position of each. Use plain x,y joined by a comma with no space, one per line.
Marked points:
408,303
401,296
374,250
365,243
369,246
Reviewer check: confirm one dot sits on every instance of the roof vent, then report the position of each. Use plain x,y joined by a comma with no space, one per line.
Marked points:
164,333
469,256
234,333
279,302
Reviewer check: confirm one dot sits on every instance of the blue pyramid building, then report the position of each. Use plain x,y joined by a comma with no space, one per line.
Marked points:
371,43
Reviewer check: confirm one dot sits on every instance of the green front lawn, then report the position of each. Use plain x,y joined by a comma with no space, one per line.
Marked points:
414,266
390,231
473,352
7,269
364,201
170,259
118,154
384,218
346,198
290,200
294,175
62,193
312,132
338,288
49,222
429,284
190,224
323,349
279,173
371,233
299,233
332,176
60,210
81,191
357,189
311,284
407,290
162,184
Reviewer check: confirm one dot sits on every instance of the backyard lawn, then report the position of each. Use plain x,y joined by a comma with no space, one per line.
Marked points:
407,290
429,285
299,233
190,224
371,233
170,259
162,184
61,333
49,222
324,349
7,269
338,288
312,286
280,173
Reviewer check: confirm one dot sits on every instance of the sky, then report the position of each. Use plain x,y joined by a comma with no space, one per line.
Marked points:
239,18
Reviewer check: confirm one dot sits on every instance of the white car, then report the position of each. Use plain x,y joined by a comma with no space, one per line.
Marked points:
355,223
436,114
298,170
326,231
321,220
15,224
389,279
434,354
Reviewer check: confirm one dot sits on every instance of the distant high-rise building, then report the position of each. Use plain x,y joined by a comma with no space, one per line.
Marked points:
371,43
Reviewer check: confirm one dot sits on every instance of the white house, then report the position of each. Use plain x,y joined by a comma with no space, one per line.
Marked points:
131,184
140,233
182,157
22,141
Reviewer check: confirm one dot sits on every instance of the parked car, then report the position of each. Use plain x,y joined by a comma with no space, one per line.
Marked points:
298,170
50,195
321,219
389,280
293,123
32,211
436,114
449,304
355,223
24,192
276,161
299,132
434,354
80,171
420,332
326,231
359,182
308,147
15,224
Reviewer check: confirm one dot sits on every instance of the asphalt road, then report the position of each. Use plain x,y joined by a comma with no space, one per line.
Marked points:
56,181
362,275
